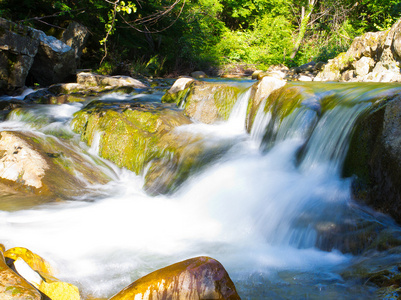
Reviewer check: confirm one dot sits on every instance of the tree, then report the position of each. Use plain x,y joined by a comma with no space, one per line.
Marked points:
305,17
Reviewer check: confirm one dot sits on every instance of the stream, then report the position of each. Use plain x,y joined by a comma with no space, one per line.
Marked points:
274,209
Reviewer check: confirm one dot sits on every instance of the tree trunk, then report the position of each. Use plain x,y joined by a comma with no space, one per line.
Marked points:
305,17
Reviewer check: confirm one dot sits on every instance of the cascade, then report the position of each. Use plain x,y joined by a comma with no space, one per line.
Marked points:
273,209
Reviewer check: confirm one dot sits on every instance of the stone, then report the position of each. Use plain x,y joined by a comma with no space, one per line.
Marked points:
48,285
18,47
198,74
76,36
364,66
20,163
54,62
13,286
36,262
130,131
40,169
210,102
195,278
87,79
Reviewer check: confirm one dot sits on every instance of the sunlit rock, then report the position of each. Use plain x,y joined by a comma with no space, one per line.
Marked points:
43,281
196,278
86,79
41,167
13,286
128,131
179,90
20,162
260,91
35,261
373,56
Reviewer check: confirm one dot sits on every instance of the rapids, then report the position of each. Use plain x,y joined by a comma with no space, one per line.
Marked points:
264,209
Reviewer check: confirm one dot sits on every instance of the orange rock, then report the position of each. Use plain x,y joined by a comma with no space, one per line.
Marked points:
196,278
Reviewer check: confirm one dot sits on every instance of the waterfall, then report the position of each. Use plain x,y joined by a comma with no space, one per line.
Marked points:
239,111
274,215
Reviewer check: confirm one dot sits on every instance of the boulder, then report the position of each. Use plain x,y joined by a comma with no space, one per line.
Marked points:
76,36
209,102
40,169
43,281
374,56
18,47
196,278
178,91
13,286
374,158
198,74
86,79
260,91
54,62
130,131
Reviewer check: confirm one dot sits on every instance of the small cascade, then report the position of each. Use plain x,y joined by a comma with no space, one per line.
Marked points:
276,216
239,111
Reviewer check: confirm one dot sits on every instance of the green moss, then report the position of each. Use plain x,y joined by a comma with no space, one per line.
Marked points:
224,99
176,98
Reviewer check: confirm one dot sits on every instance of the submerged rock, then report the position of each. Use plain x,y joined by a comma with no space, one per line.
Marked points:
196,278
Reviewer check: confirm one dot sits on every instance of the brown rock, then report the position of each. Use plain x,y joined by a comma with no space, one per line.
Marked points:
196,278
14,287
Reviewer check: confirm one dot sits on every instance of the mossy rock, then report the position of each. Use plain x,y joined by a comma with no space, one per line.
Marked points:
184,155
210,102
129,130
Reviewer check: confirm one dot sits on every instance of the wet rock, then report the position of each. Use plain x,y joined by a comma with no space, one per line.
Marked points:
261,91
375,158
179,90
129,132
18,47
210,102
196,278
38,272
54,62
40,169
13,286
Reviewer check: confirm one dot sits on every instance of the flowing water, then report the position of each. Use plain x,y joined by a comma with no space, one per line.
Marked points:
266,209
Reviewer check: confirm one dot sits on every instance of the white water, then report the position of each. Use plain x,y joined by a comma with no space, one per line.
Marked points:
256,213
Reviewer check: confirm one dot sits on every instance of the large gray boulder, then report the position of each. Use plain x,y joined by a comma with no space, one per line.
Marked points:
18,47
54,62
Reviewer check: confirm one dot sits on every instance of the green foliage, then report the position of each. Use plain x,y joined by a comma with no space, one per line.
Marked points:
205,34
